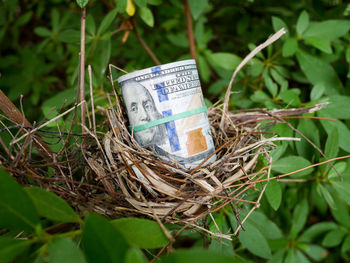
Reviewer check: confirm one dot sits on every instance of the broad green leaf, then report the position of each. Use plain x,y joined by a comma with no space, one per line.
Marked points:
317,91
318,71
90,25
316,252
316,230
62,249
345,248
277,257
197,7
278,23
301,258
333,238
271,85
51,206
106,22
340,212
224,60
289,48
254,241
23,19
340,166
343,190
142,233
300,215
70,36
328,30
323,191
274,194
198,256
302,23
10,248
343,131
291,256
134,255
101,241
309,129
338,107
332,145
259,96
16,208
266,227
82,3
320,44
291,164
147,16
203,68
141,3
290,97
42,31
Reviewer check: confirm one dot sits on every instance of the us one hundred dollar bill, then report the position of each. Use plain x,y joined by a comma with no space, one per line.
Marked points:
167,113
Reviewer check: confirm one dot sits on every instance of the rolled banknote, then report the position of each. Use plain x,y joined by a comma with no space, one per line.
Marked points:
167,113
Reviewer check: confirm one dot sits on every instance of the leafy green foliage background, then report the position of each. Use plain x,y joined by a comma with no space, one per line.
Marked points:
297,222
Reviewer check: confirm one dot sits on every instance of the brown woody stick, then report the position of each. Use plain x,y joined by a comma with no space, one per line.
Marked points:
82,65
11,111
190,30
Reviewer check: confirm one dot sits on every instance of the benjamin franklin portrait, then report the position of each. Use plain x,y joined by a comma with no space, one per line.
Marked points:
141,109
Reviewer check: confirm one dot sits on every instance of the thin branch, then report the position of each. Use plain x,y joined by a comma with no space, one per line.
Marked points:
92,100
82,65
146,47
190,30
268,42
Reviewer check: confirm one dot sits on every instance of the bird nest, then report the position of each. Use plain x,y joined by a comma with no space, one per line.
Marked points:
106,171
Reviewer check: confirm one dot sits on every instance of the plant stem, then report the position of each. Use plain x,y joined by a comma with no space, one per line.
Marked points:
190,30
82,66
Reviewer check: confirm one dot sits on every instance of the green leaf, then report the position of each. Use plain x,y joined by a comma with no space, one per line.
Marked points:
328,30
290,164
271,86
147,16
16,208
82,3
320,44
343,189
316,252
90,25
106,22
10,248
308,128
203,68
340,212
316,230
323,191
277,257
259,97
291,256
301,258
274,194
300,215
268,228
101,241
289,48
317,91
62,249
345,247
318,71
333,238
343,131
290,97
23,19
197,7
278,23
42,31
332,144
51,206
302,23
70,36
154,2
142,233
224,60
134,255
254,241
198,256
338,107
340,166
141,3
